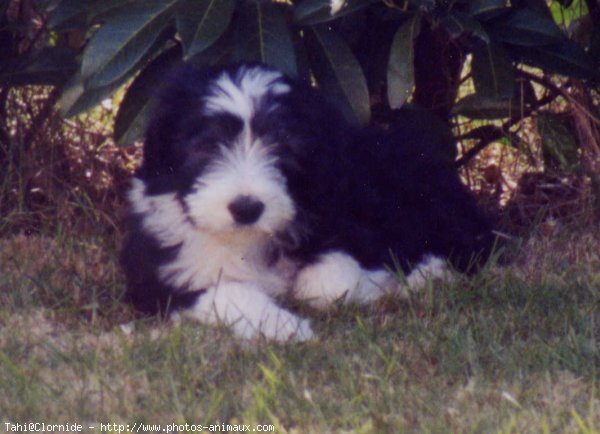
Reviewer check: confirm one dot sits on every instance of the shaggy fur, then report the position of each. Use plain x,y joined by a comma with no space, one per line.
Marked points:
253,187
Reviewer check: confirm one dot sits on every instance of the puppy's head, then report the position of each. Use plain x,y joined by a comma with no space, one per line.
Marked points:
215,140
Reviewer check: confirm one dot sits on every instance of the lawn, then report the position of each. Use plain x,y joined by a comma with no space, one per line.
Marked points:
514,349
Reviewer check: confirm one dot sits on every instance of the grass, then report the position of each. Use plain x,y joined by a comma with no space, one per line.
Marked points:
512,350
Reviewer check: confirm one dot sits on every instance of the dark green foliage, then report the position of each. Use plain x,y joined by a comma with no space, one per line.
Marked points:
369,56
492,70
130,123
123,40
262,35
525,27
201,23
401,70
558,143
338,71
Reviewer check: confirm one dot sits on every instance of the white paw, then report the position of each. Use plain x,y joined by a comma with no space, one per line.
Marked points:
431,268
275,324
338,276
375,284
250,313
330,279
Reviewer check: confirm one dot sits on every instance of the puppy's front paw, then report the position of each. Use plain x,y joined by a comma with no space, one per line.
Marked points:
250,312
430,268
331,278
276,324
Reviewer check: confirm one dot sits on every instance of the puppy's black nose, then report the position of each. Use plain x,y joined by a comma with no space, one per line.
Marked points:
246,209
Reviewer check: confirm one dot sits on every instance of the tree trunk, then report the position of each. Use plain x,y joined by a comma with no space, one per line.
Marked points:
438,64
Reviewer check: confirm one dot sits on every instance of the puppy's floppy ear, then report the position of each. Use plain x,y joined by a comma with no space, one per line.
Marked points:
178,101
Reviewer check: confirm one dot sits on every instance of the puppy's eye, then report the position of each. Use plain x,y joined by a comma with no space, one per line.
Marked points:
222,127
204,134
267,123
229,124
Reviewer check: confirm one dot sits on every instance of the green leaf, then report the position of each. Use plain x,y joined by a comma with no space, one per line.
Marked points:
486,9
101,10
540,6
262,35
475,106
338,73
560,148
201,22
124,40
78,96
493,71
310,12
568,16
76,99
218,54
68,13
130,121
480,106
75,13
401,69
458,24
525,27
566,58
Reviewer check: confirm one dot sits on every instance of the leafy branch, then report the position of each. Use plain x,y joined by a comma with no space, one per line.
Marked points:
371,57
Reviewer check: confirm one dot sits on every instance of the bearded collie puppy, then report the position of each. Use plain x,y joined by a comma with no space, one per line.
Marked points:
254,187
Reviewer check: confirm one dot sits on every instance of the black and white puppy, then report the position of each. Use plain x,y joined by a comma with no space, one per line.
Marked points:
253,187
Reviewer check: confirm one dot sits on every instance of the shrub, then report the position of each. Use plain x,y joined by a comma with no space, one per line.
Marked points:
484,67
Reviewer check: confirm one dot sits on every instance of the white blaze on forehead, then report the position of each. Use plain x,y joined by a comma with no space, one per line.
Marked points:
249,157
240,95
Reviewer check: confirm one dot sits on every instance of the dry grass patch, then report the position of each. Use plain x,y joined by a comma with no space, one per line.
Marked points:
73,277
